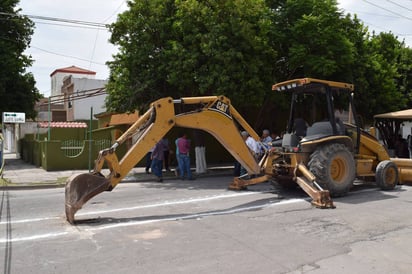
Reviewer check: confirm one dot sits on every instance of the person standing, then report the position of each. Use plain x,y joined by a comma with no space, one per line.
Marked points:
409,140
166,153
251,144
200,152
157,160
266,141
183,145
253,148
266,138
177,169
149,160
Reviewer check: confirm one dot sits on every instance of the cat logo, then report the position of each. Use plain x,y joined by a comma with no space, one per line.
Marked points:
221,107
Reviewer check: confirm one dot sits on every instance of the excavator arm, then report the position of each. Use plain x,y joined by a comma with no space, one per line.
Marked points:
213,114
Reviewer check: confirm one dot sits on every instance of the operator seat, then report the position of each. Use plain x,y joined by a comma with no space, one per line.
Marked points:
320,128
300,126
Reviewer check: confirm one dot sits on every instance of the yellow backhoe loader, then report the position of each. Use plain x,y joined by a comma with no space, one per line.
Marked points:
323,157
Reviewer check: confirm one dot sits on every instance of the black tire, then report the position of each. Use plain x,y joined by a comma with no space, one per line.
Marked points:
387,175
334,168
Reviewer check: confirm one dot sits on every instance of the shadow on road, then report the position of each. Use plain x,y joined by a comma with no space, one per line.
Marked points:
251,206
366,193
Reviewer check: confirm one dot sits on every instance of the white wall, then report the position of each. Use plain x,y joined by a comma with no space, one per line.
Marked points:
82,107
406,129
57,80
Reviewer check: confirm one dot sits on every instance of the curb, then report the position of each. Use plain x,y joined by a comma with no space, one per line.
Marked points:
141,177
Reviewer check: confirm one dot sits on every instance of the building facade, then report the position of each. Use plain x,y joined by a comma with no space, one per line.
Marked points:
75,92
58,76
82,97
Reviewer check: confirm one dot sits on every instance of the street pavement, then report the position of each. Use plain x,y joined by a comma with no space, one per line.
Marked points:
19,174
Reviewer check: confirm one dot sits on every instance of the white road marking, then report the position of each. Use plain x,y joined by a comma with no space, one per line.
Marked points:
178,202
30,220
33,237
196,215
134,223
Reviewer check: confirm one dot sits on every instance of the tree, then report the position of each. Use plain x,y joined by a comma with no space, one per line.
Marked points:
315,39
240,48
188,48
380,70
17,87
404,80
310,40
379,90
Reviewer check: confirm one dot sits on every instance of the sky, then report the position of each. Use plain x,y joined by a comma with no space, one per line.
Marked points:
55,45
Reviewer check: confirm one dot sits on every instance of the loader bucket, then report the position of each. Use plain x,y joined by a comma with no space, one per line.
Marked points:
81,188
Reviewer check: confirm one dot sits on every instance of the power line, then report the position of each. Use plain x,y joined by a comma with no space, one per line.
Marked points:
386,29
68,56
69,26
116,11
396,4
55,19
58,99
372,13
70,21
388,10
58,54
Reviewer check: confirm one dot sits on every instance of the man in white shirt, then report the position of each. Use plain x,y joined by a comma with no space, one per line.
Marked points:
253,147
251,143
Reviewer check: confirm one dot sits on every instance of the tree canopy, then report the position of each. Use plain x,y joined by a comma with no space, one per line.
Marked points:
187,48
17,87
240,48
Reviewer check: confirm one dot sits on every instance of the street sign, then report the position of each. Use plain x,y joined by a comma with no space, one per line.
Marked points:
14,117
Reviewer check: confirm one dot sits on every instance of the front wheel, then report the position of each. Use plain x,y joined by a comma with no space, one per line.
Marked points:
387,175
334,168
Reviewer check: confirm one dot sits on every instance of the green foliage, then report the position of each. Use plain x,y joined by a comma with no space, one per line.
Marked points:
380,84
382,73
188,48
239,48
404,79
17,87
311,41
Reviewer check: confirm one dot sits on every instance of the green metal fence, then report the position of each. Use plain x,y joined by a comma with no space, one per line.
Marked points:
72,148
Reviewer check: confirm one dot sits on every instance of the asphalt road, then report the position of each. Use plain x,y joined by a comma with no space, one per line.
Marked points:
201,227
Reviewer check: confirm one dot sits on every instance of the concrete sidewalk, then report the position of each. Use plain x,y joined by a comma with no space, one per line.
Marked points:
19,174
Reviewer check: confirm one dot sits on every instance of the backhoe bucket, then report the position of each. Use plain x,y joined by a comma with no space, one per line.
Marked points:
81,188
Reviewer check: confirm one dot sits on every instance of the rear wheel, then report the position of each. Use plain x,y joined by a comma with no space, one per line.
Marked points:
334,168
387,175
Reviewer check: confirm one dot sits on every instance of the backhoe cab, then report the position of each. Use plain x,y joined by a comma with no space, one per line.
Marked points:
322,151
324,144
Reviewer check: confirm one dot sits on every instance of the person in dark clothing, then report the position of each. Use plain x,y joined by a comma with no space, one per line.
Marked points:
149,160
166,152
157,160
401,147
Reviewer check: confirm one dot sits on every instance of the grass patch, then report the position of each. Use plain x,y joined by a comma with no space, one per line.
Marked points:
60,181
4,182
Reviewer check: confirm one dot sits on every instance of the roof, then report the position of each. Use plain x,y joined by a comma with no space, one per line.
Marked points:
124,118
401,115
309,83
62,125
73,69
